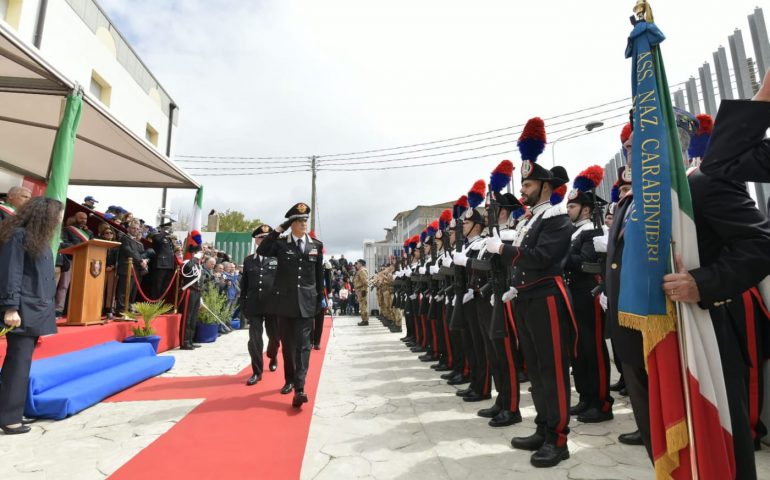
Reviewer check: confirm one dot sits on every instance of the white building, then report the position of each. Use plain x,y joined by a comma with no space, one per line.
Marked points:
78,41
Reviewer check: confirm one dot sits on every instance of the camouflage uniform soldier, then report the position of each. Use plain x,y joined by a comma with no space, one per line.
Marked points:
361,284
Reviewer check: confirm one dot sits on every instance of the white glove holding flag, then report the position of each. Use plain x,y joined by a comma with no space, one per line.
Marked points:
460,258
510,294
446,300
493,243
434,269
455,301
603,301
468,296
439,298
600,243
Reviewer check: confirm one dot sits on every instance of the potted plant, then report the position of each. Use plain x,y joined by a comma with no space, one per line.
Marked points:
148,311
217,309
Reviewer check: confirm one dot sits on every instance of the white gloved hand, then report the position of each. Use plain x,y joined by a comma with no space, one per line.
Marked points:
510,294
413,296
460,259
452,223
447,260
446,300
455,300
600,244
439,298
492,300
603,301
493,243
468,296
434,269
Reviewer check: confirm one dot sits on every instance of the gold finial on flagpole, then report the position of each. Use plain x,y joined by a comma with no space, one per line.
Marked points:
643,11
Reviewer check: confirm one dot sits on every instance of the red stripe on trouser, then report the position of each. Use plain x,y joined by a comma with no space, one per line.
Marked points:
487,387
512,379
466,368
435,338
183,323
423,323
751,340
599,338
561,440
509,310
564,295
447,340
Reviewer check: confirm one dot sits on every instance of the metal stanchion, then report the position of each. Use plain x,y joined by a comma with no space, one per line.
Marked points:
176,289
127,293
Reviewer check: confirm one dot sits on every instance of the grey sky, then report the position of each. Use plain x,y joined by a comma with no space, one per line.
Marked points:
302,77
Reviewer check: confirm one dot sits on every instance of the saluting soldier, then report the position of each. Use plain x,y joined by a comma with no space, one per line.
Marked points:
257,306
542,308
590,366
361,285
299,294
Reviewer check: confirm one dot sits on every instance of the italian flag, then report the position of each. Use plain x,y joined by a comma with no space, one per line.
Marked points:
710,427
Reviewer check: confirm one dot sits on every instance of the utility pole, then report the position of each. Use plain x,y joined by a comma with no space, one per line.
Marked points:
312,195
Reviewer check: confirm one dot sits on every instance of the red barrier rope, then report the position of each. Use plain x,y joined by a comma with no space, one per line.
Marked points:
144,296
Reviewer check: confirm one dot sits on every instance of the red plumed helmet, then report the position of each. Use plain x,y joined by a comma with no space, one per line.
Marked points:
625,134
446,216
705,124
594,173
505,168
534,130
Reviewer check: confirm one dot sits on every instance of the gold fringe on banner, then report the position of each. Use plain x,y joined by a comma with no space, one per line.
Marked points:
654,328
677,439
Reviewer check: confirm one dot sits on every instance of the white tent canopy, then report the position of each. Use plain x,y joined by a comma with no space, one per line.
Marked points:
106,152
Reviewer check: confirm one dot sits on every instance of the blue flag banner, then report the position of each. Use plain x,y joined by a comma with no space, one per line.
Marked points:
647,237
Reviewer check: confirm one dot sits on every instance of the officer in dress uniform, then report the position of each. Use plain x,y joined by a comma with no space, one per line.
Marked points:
257,306
542,308
590,365
191,290
299,294
164,262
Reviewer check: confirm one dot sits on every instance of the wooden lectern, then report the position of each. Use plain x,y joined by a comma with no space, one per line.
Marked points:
86,295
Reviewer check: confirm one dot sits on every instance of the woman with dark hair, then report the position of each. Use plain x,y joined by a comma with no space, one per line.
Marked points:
27,291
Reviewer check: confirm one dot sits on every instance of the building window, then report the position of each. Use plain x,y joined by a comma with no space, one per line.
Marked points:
151,135
10,11
100,89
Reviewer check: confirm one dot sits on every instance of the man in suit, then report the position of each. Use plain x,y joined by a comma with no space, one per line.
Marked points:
164,263
131,249
299,294
257,305
17,196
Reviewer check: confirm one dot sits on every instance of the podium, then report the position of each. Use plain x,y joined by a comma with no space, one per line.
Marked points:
86,295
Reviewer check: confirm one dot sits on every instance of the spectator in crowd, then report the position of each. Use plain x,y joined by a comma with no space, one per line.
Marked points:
131,250
343,263
164,263
90,202
17,197
27,292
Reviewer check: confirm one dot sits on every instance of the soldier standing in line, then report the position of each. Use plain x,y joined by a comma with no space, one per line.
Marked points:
361,285
191,291
257,306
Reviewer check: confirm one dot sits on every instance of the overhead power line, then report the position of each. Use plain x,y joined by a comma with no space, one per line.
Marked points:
242,174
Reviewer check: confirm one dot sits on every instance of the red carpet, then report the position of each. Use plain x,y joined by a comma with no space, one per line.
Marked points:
238,432
70,339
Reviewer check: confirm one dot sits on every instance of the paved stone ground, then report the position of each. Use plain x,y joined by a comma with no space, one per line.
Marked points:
96,442
382,414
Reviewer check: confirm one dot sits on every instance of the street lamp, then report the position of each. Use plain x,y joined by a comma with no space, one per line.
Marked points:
590,126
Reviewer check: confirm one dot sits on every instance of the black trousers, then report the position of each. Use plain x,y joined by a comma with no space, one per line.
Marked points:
507,366
295,339
456,352
192,306
543,324
160,281
14,377
257,324
318,328
591,366
481,381
120,293
407,306
636,384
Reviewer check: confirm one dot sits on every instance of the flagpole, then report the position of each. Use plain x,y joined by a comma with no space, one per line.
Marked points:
683,364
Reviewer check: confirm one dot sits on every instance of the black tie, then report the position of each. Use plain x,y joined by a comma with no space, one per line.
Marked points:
299,245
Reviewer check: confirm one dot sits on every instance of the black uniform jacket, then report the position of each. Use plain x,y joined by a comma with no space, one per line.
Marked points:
130,248
164,252
733,245
27,285
299,278
581,250
539,259
257,283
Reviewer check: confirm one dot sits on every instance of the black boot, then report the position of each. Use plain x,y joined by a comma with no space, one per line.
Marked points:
458,380
476,397
549,455
490,412
532,442
619,385
505,418
633,438
595,415
579,408
464,392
